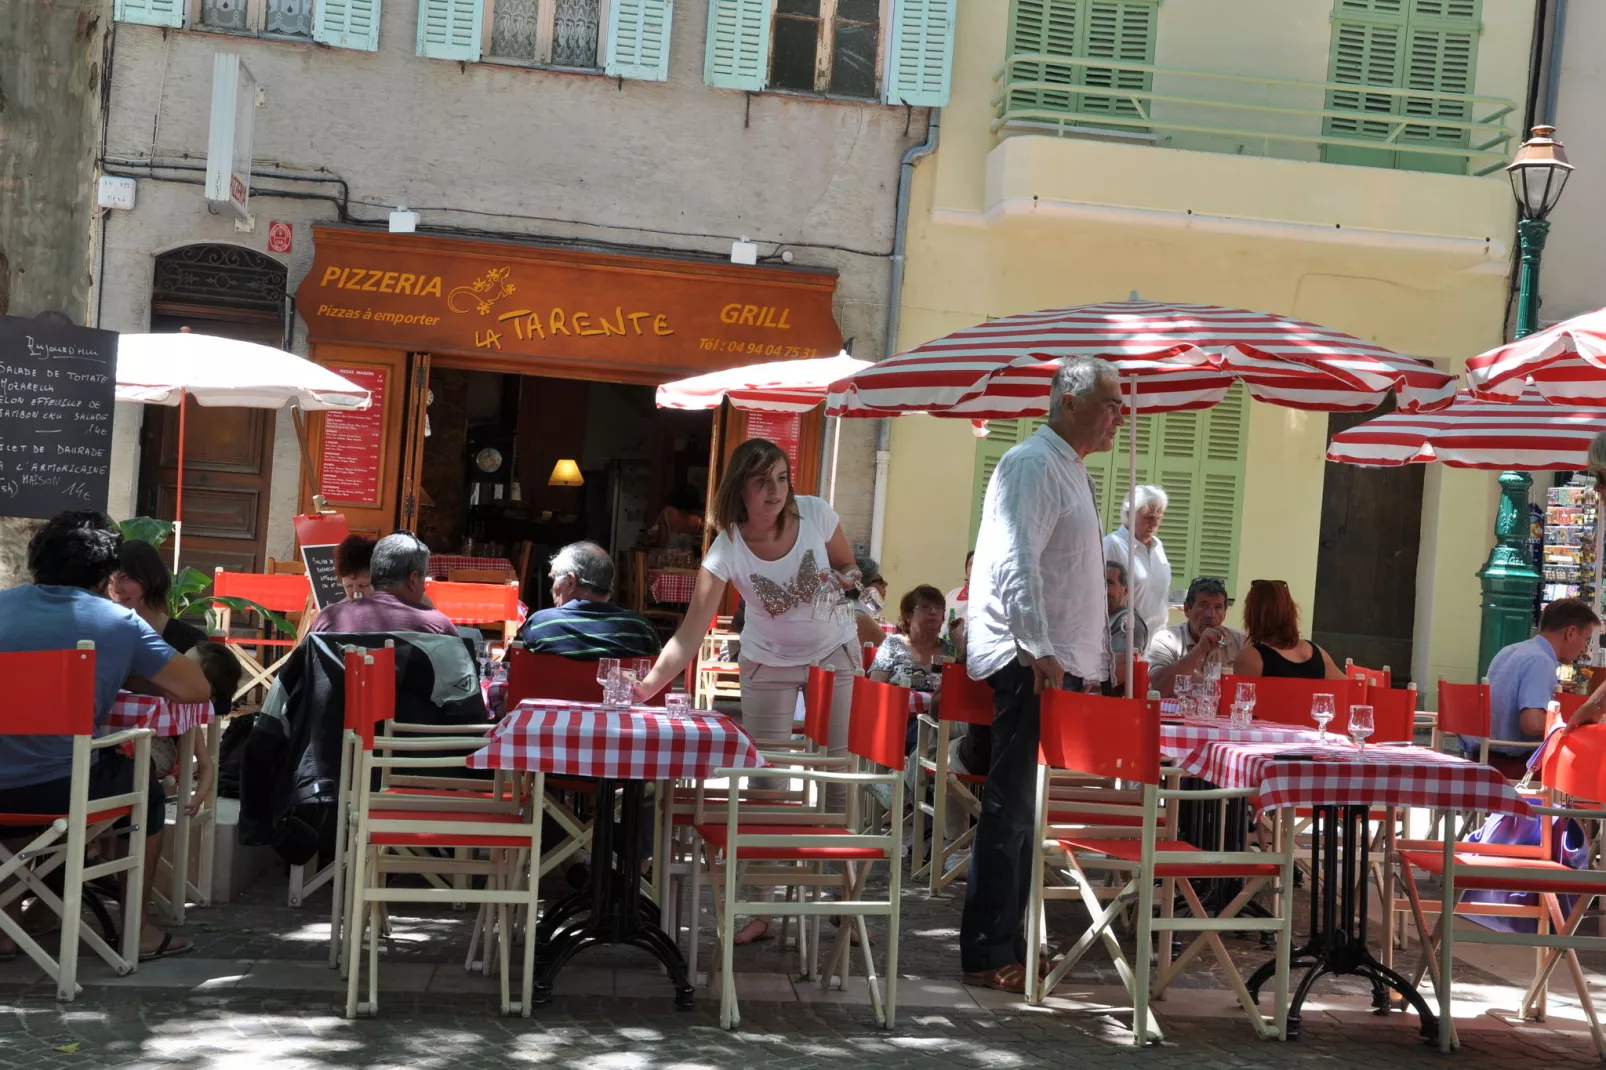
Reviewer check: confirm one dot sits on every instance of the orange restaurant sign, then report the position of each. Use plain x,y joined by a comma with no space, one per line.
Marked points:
591,312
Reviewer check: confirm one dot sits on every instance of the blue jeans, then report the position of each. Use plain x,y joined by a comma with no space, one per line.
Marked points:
992,929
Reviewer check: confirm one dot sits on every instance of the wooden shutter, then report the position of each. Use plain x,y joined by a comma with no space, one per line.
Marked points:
1224,442
1110,470
638,39
920,54
1045,27
347,24
151,12
450,29
1116,29
1001,435
738,44
1443,60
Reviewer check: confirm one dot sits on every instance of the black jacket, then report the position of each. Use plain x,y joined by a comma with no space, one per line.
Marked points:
290,771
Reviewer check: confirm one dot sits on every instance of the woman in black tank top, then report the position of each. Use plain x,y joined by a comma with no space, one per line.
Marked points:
1271,620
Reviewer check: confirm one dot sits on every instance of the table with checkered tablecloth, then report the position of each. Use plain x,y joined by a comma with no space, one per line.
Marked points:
440,565
671,584
641,743
162,717
1180,739
1302,772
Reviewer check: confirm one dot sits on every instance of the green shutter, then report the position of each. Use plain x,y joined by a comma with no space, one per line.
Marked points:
450,29
1046,27
738,44
638,39
1224,439
1122,31
920,55
150,12
1001,435
1078,30
347,23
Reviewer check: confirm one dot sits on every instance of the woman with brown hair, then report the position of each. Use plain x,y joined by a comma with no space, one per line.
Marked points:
918,641
778,549
1273,646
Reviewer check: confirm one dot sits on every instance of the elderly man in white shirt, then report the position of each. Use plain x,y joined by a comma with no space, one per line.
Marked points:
1149,573
1036,620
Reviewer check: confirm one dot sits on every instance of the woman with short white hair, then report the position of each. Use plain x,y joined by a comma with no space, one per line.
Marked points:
1150,588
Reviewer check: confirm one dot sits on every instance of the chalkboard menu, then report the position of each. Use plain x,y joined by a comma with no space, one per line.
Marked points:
320,561
57,386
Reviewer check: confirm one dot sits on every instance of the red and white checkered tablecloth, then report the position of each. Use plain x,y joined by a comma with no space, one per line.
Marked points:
164,718
1179,740
641,743
671,585
440,565
1334,775
921,702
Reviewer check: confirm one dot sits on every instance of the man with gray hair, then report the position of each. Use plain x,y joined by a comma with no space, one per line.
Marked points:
399,567
1036,620
582,623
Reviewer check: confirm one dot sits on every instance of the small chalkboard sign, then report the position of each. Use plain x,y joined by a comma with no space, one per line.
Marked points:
320,561
58,383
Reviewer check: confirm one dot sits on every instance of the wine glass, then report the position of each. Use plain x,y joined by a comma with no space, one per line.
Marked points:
1360,727
607,671
641,667
1245,695
1184,693
1321,711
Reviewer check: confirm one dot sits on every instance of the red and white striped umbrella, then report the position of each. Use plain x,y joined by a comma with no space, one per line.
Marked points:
1528,434
1182,356
776,386
1566,362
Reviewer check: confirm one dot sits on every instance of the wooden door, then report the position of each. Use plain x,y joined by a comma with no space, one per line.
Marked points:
1366,562
228,465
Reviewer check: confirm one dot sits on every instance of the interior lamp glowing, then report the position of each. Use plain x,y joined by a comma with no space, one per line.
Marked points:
565,474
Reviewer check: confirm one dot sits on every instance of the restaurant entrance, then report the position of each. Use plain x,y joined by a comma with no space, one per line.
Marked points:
513,390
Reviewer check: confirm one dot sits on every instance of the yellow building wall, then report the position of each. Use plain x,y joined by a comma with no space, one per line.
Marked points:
1415,262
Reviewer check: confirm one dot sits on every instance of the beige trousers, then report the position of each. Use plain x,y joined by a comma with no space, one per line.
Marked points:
770,701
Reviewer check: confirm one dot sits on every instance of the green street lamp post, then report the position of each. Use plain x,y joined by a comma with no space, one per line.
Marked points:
1508,580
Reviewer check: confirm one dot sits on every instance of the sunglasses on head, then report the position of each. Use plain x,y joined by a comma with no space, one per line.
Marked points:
1277,583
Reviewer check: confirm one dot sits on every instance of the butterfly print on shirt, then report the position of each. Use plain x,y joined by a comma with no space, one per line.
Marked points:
779,598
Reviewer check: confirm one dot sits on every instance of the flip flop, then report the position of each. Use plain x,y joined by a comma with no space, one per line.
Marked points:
1010,978
165,950
758,937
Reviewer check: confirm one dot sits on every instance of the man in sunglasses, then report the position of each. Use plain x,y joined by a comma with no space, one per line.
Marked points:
1200,640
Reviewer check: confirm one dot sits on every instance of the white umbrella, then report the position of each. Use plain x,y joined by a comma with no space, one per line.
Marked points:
168,369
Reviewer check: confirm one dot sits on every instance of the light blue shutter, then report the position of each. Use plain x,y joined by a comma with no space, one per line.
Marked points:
347,24
638,39
738,44
450,29
920,56
150,12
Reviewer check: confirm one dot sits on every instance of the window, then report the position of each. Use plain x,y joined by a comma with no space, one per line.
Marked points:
279,18
1426,45
340,23
826,46
1198,457
1060,31
557,33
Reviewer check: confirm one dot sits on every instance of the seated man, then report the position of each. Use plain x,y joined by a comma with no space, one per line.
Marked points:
398,603
72,557
1522,681
583,624
1116,593
1200,640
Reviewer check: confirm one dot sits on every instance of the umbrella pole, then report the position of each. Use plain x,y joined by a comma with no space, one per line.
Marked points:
1131,523
836,452
298,418
178,504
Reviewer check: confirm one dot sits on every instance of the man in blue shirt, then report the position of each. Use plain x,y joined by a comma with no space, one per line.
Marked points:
72,557
1522,679
583,624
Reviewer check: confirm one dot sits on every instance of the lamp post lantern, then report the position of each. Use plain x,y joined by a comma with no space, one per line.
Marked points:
1538,175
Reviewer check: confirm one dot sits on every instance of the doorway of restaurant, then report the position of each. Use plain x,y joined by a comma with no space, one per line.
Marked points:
1371,531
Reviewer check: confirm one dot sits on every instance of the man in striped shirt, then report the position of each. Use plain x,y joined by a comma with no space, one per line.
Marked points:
583,624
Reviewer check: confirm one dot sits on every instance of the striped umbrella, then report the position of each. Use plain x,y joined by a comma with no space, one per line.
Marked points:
1178,356
1528,434
1566,363
778,386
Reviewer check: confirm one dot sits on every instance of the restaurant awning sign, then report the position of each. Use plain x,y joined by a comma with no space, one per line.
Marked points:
567,310
228,148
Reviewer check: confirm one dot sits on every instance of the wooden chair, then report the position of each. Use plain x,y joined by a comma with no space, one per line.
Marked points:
52,693
665,621
716,678
476,575
277,567
962,701
1120,738
478,603
1383,677
282,593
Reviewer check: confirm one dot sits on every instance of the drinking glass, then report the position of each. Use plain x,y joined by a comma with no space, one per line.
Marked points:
1321,711
1243,714
1360,727
641,667
626,694
1184,692
1245,695
607,670
677,704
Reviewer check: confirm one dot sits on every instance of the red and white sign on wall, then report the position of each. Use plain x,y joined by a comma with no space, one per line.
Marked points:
279,234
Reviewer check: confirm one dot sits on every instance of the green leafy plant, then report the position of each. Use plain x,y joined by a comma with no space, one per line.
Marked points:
187,597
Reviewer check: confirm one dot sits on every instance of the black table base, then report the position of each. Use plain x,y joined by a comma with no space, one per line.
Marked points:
612,910
1337,943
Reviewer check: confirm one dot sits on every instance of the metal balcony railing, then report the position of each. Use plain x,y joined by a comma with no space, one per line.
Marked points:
1408,129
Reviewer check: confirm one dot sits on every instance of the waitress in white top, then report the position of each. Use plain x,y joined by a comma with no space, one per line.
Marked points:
1150,573
778,549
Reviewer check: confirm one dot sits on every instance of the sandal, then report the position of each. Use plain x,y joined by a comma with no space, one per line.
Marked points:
853,931
166,950
761,935
1010,978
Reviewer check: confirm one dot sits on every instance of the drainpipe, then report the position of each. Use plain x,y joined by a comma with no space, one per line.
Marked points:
1558,35
883,428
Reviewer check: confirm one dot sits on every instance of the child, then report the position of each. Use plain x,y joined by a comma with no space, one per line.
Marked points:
222,671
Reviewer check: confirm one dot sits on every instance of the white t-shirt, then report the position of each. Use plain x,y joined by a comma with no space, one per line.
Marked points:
779,627
1149,584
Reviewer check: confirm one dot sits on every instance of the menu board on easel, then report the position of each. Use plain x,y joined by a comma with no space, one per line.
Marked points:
785,429
318,537
353,442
